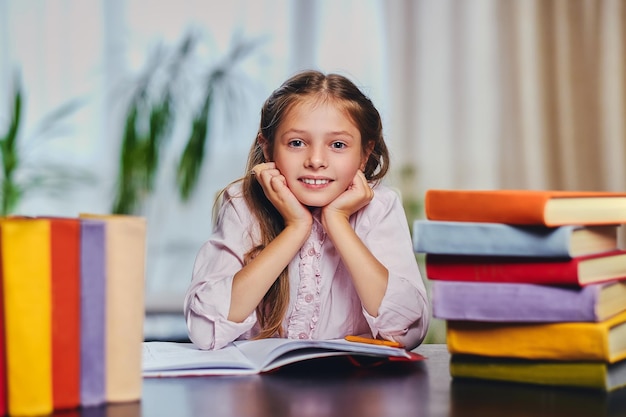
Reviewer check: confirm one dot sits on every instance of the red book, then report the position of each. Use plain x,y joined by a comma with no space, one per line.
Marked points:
538,207
579,271
65,263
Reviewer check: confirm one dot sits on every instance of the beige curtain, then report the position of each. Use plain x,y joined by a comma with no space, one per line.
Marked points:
508,93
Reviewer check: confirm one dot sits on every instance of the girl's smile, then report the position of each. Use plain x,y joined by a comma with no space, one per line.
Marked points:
316,182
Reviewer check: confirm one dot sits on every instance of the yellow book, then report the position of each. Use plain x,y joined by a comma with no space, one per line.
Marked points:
592,341
597,375
125,278
26,263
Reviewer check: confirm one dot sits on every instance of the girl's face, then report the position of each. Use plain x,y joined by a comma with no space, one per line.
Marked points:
318,150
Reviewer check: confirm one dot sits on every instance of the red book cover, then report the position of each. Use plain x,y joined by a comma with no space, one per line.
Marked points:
65,258
578,271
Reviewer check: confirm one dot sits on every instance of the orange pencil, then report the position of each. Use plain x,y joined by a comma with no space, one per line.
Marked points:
360,339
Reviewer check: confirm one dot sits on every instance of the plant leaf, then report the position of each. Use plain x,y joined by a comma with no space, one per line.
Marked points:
161,118
52,119
11,193
191,160
126,195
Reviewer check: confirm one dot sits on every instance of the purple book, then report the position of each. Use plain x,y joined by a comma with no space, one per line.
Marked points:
93,297
511,302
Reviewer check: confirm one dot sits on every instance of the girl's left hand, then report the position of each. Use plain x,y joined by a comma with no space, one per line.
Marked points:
358,195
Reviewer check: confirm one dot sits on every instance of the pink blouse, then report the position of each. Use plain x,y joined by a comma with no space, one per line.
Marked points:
323,301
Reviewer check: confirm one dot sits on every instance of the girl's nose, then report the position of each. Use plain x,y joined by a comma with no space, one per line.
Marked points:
316,159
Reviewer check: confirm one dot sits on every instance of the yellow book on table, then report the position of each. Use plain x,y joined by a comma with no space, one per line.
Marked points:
592,341
26,264
125,276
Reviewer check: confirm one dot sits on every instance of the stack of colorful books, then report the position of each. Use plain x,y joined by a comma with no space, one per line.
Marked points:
71,313
531,284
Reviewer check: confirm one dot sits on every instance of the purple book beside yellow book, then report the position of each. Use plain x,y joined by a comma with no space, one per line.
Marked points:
512,302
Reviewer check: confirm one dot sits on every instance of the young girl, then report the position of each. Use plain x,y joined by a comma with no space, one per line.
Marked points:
309,245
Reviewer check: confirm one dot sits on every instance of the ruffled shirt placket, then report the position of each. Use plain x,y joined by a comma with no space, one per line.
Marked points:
306,310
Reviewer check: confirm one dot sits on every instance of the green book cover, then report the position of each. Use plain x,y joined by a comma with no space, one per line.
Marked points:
583,374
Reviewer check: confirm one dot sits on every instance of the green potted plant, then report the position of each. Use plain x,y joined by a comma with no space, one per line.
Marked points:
152,112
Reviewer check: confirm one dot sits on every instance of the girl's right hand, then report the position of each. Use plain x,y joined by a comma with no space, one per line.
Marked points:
276,190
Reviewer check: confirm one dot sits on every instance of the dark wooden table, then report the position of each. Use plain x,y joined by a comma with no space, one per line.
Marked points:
334,389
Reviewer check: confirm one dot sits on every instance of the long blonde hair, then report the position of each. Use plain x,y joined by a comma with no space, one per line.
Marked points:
302,86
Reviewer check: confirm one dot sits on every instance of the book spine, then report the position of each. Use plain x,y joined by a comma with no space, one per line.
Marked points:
65,246
492,239
558,341
511,302
92,312
553,373
495,269
27,300
472,206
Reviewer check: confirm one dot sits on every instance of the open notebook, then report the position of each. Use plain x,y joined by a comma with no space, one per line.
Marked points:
171,359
